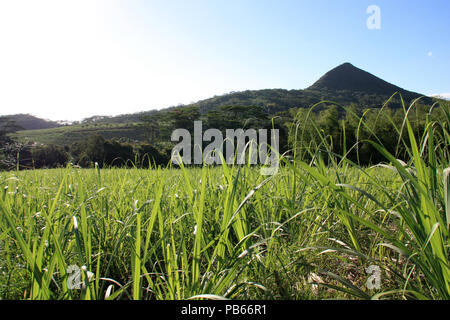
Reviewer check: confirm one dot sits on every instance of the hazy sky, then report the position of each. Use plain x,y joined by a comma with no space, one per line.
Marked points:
66,60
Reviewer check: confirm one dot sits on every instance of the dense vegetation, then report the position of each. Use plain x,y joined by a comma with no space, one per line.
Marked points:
118,145
309,232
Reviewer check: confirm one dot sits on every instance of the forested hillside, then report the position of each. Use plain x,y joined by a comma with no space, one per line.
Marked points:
349,96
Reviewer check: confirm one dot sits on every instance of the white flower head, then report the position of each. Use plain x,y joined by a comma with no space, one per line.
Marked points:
75,223
108,291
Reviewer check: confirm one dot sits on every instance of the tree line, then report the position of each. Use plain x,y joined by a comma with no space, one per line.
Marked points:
326,128
95,150
345,132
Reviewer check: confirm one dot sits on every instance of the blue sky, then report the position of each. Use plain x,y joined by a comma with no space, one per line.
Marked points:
66,60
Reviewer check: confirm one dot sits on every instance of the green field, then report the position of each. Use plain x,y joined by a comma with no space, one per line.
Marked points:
75,133
254,239
314,230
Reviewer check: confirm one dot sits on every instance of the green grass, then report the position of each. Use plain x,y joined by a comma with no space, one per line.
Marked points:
308,232
76,133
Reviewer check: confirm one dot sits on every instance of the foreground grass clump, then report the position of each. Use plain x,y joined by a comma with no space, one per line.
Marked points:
163,234
312,231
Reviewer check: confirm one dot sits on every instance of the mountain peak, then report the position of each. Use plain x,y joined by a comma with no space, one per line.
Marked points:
348,77
346,64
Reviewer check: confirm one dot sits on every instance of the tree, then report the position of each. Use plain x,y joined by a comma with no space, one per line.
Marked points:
117,154
148,156
183,117
95,149
49,156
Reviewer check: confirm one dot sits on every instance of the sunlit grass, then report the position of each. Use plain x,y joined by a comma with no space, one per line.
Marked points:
308,232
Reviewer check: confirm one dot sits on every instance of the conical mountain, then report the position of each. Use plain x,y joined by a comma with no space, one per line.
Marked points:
350,78
345,84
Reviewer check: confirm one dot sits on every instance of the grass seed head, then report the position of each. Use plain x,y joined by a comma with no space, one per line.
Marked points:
75,223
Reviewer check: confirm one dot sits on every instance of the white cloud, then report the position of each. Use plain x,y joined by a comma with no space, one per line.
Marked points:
430,53
442,95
